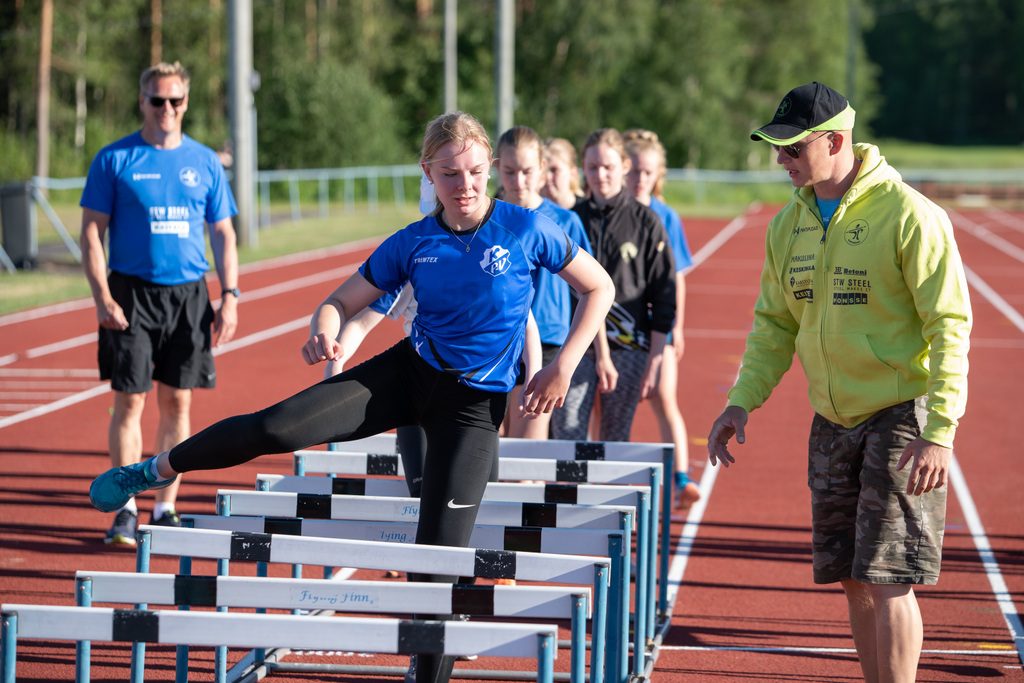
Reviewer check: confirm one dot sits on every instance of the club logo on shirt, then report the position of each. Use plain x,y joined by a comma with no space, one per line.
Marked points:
856,233
496,260
189,176
628,251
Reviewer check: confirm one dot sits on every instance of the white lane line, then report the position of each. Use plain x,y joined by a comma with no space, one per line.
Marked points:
100,389
723,236
255,295
89,373
993,298
32,396
1005,218
681,556
819,650
52,384
987,236
995,577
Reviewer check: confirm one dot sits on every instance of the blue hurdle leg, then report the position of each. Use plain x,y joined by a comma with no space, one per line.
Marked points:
83,648
181,651
642,602
9,636
599,624
546,658
578,650
142,557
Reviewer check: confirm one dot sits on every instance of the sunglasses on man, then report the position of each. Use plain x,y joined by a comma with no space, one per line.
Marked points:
159,102
793,151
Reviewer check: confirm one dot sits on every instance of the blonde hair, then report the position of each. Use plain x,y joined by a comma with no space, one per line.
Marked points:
560,148
609,137
164,70
639,141
458,127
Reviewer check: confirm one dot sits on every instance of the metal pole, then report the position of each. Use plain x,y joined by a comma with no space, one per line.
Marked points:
451,77
240,106
505,63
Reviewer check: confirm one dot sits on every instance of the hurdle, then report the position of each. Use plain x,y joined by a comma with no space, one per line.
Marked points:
629,451
377,635
614,544
507,514
592,571
596,471
378,597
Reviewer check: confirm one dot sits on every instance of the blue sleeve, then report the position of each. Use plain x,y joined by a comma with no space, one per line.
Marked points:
554,249
386,268
98,194
220,203
386,302
677,236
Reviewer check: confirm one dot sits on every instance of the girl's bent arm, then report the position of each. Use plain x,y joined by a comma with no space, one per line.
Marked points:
355,294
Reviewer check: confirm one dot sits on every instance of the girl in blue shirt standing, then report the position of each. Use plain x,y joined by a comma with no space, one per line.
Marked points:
645,179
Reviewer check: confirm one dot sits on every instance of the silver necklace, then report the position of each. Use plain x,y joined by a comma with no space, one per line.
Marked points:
470,242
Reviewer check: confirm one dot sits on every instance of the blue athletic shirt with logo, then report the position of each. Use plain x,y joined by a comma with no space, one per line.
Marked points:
472,305
552,301
676,234
159,202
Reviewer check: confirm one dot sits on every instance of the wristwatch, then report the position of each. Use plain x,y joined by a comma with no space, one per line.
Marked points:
231,290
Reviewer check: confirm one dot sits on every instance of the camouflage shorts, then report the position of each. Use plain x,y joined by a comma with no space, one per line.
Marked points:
864,525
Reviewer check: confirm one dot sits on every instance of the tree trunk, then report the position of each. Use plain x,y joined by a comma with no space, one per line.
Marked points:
156,36
81,106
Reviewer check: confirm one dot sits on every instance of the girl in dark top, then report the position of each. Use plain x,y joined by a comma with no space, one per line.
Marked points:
629,240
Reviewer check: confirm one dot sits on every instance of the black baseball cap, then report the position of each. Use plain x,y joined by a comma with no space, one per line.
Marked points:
804,110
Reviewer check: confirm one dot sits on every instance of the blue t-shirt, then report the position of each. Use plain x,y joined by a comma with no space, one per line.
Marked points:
676,234
552,301
827,209
472,304
159,201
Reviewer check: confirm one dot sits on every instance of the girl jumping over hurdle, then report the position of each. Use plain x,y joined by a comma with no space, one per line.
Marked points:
471,264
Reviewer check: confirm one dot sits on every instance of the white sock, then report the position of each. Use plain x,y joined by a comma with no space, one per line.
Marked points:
131,506
161,509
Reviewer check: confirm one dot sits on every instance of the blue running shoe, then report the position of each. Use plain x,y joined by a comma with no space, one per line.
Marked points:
115,487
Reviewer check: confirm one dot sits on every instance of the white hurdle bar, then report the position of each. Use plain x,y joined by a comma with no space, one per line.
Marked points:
589,570
378,597
393,636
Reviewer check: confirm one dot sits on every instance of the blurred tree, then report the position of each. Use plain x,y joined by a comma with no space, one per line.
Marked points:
950,72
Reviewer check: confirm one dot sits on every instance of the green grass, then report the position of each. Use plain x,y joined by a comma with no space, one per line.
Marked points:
907,155
60,278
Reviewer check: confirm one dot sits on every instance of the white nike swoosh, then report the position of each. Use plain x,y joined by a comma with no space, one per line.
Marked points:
455,506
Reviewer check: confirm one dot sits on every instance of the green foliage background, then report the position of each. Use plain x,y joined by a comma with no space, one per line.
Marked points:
349,82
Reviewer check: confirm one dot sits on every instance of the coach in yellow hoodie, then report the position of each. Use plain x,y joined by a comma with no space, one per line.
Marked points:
863,280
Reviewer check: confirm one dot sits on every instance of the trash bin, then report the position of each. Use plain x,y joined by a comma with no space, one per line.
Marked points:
18,217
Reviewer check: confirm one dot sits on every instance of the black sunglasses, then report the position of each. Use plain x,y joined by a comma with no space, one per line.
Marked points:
159,102
794,150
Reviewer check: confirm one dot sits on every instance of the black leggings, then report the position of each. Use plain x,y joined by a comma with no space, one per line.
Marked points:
396,388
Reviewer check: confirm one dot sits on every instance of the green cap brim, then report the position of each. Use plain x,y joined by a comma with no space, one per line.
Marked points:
841,121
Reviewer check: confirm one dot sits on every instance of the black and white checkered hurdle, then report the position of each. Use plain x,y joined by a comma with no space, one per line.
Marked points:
614,544
621,472
377,635
591,572
323,595
614,451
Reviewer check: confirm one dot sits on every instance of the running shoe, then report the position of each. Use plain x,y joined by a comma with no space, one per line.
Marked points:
169,518
115,487
123,530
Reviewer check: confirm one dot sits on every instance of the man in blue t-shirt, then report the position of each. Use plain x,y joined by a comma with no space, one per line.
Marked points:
153,193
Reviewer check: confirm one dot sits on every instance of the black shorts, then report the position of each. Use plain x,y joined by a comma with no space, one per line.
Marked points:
168,337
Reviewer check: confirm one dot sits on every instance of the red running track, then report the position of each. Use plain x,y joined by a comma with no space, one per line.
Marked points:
746,609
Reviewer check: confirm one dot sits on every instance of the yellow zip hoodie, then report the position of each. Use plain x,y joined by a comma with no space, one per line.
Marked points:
876,309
